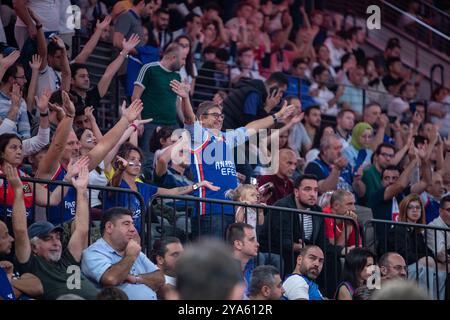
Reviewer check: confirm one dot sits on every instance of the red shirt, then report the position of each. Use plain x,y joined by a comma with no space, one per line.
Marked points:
282,187
330,230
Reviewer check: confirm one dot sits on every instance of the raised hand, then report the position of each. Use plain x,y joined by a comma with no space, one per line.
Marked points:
132,42
133,111
42,101
34,16
10,59
286,111
59,42
35,62
208,185
298,118
89,113
60,113
383,121
121,163
447,142
80,183
180,89
75,166
16,94
104,24
133,249
341,162
12,176
68,106
273,99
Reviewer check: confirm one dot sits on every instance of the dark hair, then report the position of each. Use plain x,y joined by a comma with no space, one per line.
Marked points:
4,140
207,270
235,231
262,276
210,49
317,71
212,5
162,10
355,261
74,67
318,137
79,132
444,200
436,92
305,176
151,37
189,65
160,247
391,61
162,133
136,2
404,86
310,108
383,145
304,251
343,111
53,48
298,61
390,168
205,106
112,215
126,148
11,72
223,55
346,57
278,78
190,17
111,293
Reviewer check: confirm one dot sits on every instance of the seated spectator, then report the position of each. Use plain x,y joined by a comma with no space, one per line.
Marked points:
208,271
300,284
39,251
393,79
399,107
392,50
313,153
129,168
441,245
247,194
312,121
353,93
299,82
432,196
379,121
439,109
401,290
242,239
342,203
358,267
372,80
336,45
345,122
324,60
116,258
165,254
265,284
246,67
356,36
410,243
281,181
392,266
321,94
358,153
253,100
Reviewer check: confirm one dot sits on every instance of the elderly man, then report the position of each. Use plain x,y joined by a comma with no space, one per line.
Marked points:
39,250
392,266
116,258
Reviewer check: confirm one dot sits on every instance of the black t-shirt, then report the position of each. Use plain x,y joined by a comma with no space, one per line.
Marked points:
382,209
92,98
315,169
60,277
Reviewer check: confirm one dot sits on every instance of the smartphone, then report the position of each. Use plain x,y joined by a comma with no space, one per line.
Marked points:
253,181
266,187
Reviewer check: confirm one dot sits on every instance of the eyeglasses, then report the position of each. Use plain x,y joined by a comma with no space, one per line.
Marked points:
216,115
399,268
414,207
386,155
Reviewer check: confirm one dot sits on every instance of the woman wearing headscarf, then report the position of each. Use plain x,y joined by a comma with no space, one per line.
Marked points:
358,153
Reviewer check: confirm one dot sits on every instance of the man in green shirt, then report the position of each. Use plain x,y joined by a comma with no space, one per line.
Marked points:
152,86
381,159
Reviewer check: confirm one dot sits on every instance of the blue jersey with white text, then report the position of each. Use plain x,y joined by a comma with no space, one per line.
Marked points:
65,211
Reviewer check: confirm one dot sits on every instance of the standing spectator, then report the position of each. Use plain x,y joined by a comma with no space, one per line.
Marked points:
242,239
300,284
282,184
312,120
358,153
336,45
253,100
47,10
442,245
265,284
153,88
399,107
116,258
11,101
324,60
358,267
345,122
160,28
188,71
356,37
39,251
321,94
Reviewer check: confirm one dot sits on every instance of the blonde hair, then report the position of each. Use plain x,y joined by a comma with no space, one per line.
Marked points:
239,192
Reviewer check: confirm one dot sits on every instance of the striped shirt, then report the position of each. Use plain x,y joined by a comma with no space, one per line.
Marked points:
306,224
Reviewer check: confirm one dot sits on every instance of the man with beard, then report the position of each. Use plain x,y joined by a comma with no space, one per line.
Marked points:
300,284
160,28
345,122
160,102
116,258
282,183
39,250
312,121
372,114
392,266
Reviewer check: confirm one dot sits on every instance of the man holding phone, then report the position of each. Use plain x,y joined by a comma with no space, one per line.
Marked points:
253,100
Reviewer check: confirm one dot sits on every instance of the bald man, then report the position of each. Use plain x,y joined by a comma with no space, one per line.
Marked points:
282,180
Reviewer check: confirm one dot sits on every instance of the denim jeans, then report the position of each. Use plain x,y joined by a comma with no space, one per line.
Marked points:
211,225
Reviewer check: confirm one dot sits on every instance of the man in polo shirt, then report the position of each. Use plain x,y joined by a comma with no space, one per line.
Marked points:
39,249
11,87
153,88
116,258
282,182
441,244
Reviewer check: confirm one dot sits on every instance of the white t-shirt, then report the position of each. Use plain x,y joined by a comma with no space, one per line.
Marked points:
397,107
97,179
296,288
185,78
250,216
323,96
48,78
47,11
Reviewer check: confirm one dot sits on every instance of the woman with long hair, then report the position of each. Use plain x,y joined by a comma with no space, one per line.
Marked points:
358,267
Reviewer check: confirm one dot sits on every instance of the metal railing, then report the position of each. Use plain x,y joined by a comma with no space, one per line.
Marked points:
178,216
412,241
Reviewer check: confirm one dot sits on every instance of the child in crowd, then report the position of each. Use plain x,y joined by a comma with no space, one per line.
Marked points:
247,194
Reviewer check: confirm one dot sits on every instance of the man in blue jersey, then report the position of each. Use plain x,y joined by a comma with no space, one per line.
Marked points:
65,148
300,284
212,157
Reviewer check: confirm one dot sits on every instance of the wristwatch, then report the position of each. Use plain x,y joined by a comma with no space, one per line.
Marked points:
275,119
195,186
124,55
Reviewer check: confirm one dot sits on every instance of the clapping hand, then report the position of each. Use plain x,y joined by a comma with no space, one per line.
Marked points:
81,181
35,62
181,89
133,111
104,24
42,101
132,42
9,60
